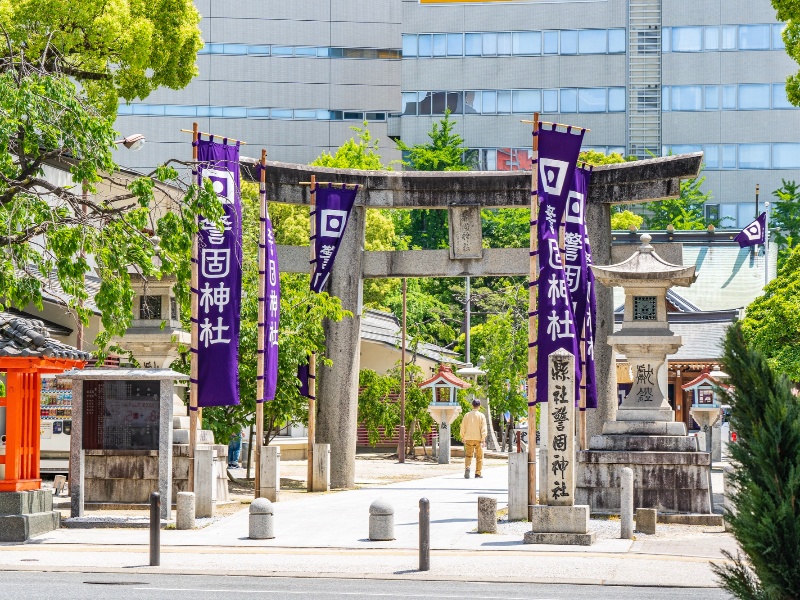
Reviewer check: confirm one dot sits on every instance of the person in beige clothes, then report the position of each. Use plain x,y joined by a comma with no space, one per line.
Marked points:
473,433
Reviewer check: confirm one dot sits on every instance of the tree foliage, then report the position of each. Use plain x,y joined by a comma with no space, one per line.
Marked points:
772,322
685,212
766,460
785,219
789,11
122,49
624,220
51,228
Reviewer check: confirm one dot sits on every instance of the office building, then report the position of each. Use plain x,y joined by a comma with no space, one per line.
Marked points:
648,77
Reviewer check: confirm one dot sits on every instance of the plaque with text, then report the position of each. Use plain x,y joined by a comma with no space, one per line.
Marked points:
466,239
121,415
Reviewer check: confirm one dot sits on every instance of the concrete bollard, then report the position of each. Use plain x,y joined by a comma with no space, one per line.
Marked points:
261,526
626,504
727,493
518,486
381,521
185,510
646,519
487,515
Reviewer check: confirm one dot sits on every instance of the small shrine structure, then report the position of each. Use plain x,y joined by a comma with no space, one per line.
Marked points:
706,406
26,352
445,407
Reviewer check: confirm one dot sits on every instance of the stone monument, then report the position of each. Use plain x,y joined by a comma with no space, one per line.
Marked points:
445,408
669,473
560,521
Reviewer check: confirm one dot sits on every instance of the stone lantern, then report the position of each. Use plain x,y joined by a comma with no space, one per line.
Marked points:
706,406
445,407
645,338
670,474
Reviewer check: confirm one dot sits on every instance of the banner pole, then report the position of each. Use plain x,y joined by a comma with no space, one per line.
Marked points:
195,342
532,319
766,244
262,325
312,361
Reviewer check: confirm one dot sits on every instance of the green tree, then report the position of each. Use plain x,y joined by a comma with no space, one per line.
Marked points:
624,220
772,322
684,212
302,314
122,49
52,230
593,157
785,219
789,11
766,477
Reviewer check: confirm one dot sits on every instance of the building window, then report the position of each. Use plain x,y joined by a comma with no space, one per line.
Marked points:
150,307
687,97
754,96
786,156
687,39
527,43
754,37
754,156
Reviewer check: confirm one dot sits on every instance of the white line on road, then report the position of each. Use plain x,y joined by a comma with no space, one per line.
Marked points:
318,592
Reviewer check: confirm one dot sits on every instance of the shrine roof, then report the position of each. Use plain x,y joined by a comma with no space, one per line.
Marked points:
29,338
704,377
445,376
645,265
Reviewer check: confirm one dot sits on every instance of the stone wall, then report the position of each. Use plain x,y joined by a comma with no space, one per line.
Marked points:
130,476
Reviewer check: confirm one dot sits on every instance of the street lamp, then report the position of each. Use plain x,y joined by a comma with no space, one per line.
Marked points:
132,142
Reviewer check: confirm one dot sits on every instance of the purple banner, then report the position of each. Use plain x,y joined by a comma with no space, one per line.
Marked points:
272,304
558,153
590,327
332,211
219,256
577,256
753,234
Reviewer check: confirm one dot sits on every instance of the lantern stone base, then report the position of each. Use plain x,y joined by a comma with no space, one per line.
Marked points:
646,414
643,428
24,515
671,481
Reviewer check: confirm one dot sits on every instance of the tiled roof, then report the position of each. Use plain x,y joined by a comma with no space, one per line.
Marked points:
385,328
445,375
52,328
54,293
28,338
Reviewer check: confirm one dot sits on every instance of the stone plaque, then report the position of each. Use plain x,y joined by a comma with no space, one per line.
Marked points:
560,409
466,240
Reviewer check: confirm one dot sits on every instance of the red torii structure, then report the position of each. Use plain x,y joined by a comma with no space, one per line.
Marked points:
27,351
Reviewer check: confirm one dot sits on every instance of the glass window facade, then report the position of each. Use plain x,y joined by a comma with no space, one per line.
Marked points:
725,38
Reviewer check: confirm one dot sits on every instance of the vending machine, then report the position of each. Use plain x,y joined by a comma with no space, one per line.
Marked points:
56,424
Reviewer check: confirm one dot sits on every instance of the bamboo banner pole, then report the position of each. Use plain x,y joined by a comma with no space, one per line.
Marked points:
312,361
533,321
582,400
262,292
401,445
195,284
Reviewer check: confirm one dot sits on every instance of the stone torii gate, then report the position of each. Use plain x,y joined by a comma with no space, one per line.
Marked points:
463,193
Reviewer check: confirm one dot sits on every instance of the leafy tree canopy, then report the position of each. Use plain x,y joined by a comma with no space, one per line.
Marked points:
64,229
789,11
624,220
785,219
445,151
683,213
772,322
121,49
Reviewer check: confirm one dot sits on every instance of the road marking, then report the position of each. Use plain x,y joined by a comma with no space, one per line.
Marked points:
317,593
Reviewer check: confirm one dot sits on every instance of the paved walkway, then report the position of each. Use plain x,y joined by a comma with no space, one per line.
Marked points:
326,534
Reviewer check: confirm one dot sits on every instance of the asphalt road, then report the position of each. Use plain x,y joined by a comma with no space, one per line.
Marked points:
25,585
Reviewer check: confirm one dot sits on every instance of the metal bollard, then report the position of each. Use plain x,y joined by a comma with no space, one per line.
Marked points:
424,534
155,529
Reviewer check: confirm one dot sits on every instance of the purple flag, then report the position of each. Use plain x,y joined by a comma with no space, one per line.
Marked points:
331,214
304,375
272,305
577,257
219,257
753,234
558,153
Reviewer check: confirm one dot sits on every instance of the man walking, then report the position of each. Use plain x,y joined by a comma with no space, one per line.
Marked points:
473,433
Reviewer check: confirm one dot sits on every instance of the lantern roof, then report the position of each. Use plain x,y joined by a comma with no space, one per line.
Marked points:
704,378
445,378
645,265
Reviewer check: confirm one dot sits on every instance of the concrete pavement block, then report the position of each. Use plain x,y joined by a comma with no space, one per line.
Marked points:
646,519
487,515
